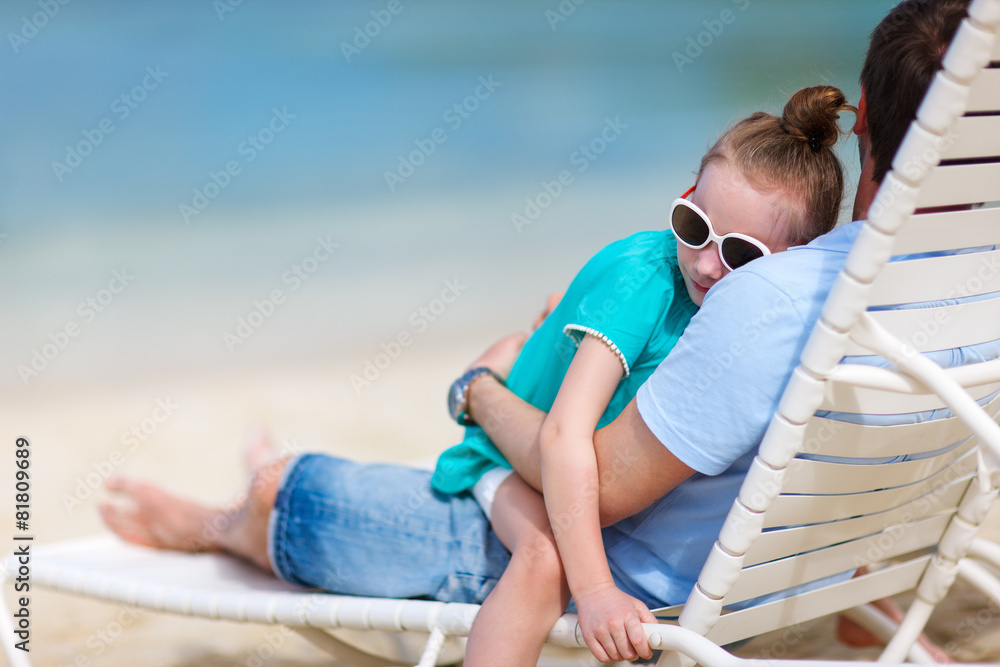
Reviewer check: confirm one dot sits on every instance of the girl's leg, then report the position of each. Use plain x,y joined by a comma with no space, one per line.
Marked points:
532,593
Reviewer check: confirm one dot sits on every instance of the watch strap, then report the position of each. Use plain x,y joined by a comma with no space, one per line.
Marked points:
458,396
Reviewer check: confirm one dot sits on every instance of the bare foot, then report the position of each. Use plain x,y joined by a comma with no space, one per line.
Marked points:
145,514
852,634
259,449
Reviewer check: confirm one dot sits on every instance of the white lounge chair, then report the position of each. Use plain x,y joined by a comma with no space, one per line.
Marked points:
801,518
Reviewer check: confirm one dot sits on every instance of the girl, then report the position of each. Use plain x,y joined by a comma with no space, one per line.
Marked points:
769,183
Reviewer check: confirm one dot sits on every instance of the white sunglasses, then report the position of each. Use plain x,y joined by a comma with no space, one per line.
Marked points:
692,227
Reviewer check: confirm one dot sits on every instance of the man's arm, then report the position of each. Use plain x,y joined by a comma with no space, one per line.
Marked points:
634,468
511,423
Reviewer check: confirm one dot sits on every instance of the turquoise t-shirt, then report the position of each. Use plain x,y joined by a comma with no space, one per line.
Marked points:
632,296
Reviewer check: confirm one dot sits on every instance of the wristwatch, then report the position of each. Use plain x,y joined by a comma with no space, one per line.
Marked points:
458,395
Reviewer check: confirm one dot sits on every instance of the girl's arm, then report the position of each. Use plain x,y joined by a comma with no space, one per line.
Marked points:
610,619
634,466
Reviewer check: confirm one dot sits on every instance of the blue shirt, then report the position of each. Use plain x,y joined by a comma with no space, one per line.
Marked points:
711,401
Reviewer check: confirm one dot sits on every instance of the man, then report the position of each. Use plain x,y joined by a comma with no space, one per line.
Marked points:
670,465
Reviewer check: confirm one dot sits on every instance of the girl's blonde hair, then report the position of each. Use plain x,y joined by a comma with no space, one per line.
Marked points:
792,155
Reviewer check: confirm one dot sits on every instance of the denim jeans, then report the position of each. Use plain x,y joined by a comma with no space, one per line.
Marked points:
380,530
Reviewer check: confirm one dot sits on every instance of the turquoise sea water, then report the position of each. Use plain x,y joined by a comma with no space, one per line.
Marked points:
353,157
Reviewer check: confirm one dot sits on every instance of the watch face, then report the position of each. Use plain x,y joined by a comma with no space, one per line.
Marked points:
455,398
457,401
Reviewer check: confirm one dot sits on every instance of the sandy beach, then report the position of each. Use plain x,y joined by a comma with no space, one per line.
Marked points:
197,451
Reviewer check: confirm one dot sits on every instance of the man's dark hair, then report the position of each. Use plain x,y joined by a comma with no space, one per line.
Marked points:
905,52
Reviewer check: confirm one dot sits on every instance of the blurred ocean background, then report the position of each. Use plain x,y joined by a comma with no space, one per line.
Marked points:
335,95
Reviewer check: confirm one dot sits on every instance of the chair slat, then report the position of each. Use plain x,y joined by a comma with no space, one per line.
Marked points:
967,324
758,579
985,94
931,232
829,437
780,543
949,185
823,477
791,510
974,137
937,278
757,620
844,397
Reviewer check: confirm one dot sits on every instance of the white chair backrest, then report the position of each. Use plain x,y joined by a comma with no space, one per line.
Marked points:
895,488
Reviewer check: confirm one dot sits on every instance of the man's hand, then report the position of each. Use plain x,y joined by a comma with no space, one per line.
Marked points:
611,622
500,356
550,305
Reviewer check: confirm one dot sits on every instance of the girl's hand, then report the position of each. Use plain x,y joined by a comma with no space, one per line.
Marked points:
550,305
500,356
611,622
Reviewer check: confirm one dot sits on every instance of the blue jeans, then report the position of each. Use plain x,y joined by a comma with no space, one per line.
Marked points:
379,530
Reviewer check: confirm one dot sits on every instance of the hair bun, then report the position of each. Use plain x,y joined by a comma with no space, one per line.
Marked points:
811,116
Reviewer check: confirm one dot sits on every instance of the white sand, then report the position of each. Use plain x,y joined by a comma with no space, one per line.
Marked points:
197,452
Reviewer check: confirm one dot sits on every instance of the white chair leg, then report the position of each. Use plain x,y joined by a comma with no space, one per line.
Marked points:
979,578
883,627
985,550
908,632
433,648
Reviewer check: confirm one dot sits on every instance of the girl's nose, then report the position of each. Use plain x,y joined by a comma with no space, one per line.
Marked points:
709,264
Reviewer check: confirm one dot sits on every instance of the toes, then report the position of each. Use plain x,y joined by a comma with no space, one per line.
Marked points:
114,483
259,448
122,523
258,434
120,484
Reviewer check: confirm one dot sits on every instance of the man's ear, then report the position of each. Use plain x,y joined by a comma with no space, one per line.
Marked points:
861,124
